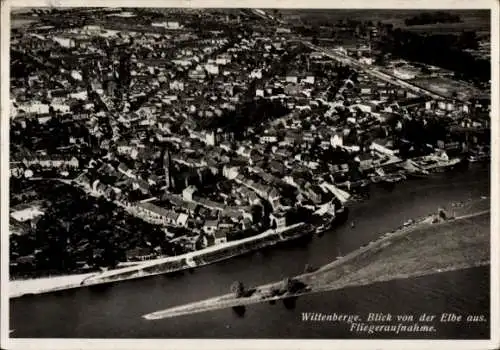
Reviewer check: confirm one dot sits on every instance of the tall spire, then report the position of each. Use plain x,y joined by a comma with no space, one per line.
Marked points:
167,166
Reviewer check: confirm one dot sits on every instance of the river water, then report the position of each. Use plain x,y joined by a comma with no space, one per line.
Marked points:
115,310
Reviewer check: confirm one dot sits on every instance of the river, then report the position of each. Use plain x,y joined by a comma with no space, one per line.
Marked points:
115,310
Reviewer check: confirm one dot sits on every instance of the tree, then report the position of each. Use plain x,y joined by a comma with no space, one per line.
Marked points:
273,225
442,214
292,285
468,40
308,268
238,289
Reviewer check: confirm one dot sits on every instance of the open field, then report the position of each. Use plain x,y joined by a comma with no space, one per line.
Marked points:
478,21
463,242
446,87
21,23
479,27
472,20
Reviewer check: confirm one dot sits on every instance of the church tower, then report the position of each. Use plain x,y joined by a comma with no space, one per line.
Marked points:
167,166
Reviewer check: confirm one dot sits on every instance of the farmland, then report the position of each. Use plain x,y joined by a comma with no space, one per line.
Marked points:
478,20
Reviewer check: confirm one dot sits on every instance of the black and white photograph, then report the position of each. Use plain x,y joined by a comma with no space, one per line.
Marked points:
240,173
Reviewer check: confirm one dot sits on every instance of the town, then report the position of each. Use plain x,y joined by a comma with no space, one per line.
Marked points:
142,134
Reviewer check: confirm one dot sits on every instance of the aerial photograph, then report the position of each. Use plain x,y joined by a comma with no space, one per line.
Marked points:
245,173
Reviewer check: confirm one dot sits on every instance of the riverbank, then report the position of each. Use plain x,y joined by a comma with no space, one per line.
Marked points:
210,255
421,249
115,310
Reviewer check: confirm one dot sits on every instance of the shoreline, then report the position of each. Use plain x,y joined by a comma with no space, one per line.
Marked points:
42,285
355,269
19,288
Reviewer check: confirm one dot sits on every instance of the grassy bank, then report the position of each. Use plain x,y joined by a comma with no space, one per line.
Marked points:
421,249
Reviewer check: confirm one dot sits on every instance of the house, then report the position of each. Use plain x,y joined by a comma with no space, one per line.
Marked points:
277,167
158,215
141,185
26,213
212,69
210,226
366,60
180,219
198,73
124,147
83,180
54,161
230,172
66,42
247,224
278,219
253,198
187,193
380,146
292,78
337,140
366,90
176,85
139,254
283,30
210,138
125,170
244,151
220,237
273,196
314,194
309,78
223,60
269,138
365,161
16,170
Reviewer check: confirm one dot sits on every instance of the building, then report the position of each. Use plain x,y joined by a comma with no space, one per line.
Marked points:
187,193
212,69
337,140
278,219
292,78
381,147
309,78
210,138
268,138
365,161
220,237
155,214
210,227
54,161
176,85
172,25
139,254
406,72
